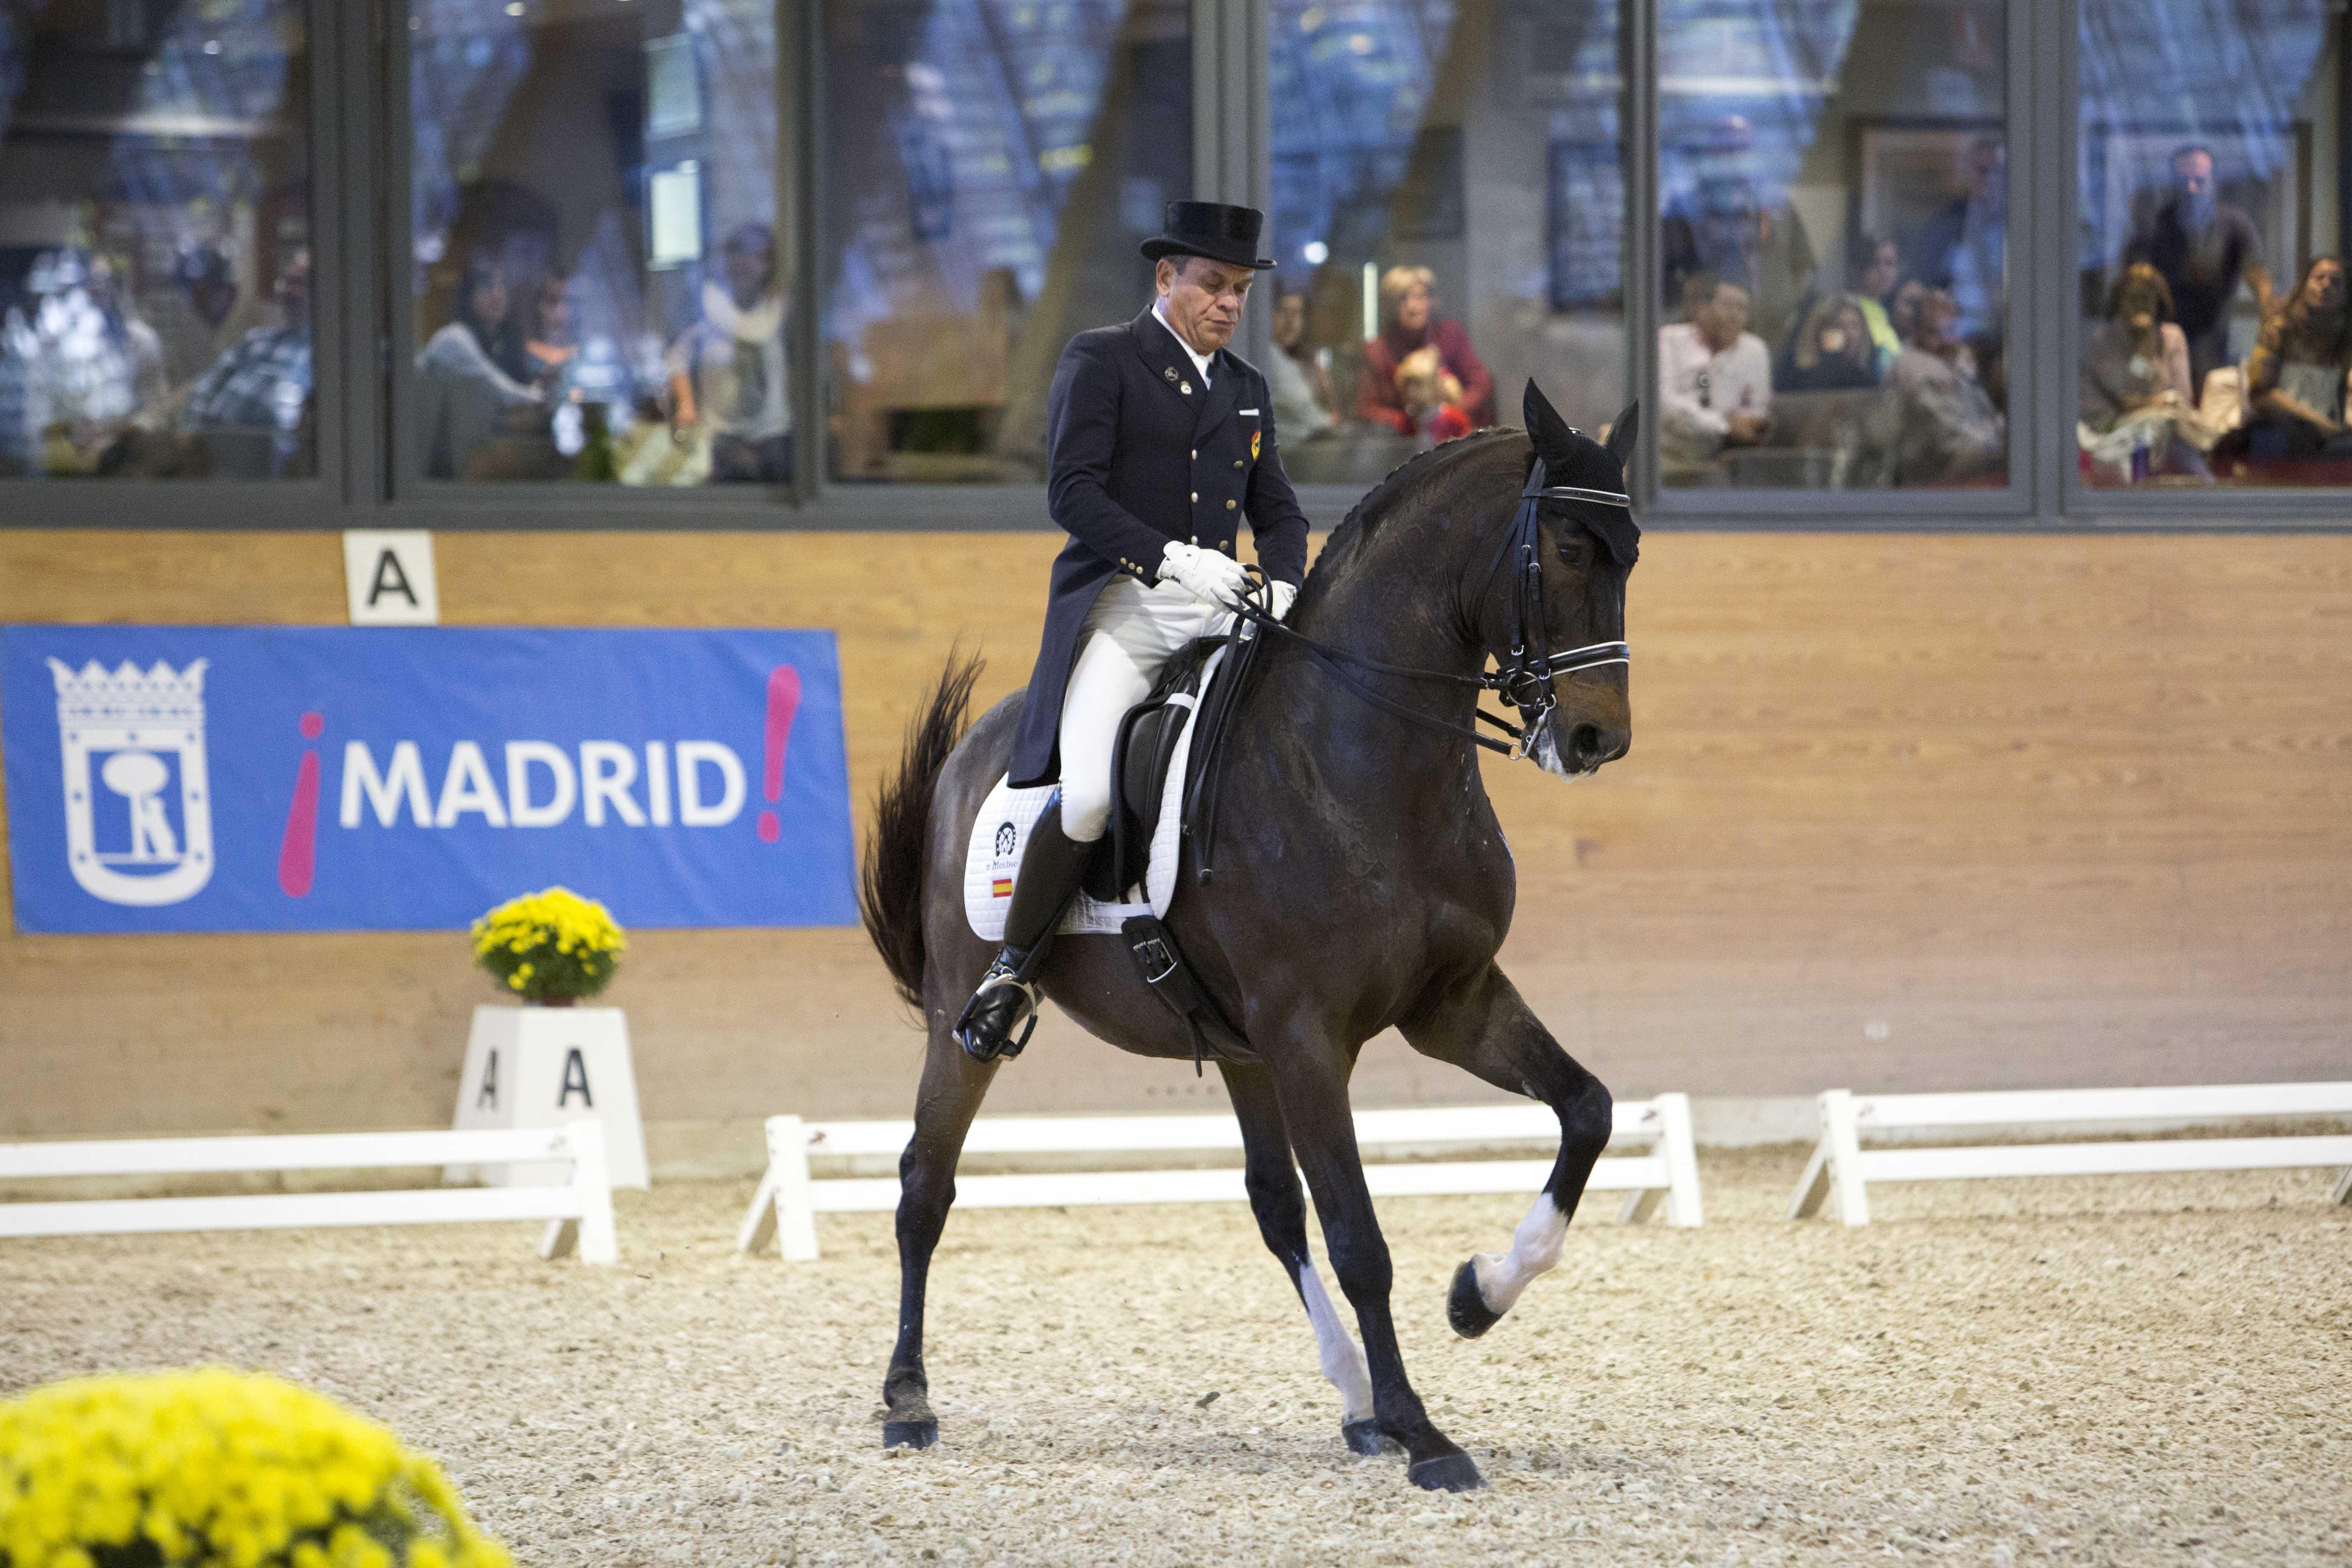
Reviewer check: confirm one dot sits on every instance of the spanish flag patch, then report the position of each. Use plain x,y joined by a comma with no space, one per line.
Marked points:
1002,887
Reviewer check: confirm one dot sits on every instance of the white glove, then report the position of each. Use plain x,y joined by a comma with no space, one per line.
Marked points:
1284,596
1209,576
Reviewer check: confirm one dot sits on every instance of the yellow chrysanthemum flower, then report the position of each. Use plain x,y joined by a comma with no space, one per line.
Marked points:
551,945
218,1468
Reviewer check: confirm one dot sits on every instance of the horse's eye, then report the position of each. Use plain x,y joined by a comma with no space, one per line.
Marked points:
1575,551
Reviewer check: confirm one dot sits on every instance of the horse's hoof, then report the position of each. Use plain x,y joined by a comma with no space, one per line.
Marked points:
909,1434
1466,1308
1455,1472
1365,1437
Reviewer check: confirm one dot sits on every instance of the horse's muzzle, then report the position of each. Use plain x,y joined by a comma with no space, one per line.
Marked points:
1574,749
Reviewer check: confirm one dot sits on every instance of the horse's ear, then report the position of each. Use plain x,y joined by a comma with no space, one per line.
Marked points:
1623,432
1550,434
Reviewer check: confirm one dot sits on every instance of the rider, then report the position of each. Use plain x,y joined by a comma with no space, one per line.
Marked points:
1159,440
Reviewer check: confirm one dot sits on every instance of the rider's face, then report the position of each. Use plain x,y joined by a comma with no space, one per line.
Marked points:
1204,300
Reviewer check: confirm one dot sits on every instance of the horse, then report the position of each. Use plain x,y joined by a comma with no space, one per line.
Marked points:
1361,881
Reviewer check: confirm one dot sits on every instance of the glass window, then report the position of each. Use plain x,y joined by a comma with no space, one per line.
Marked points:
1402,131
155,240
1834,235
992,167
597,276
2216,336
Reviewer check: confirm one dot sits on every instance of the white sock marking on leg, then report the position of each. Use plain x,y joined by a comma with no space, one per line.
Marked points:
1535,1249
1342,1357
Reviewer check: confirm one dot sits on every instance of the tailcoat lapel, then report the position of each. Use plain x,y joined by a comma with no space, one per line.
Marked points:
1169,366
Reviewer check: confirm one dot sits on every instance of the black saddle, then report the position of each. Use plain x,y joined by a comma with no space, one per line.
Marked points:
1140,759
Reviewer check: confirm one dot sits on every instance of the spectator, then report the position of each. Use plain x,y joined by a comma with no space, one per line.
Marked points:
1432,398
1877,267
1721,225
2204,249
1714,375
2135,391
1949,432
466,388
87,364
1904,316
480,341
204,313
2138,356
582,378
1963,249
1303,407
1830,351
1408,321
262,384
550,345
2295,377
727,371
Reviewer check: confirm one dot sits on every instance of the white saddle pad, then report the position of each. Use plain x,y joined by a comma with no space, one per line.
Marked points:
1001,833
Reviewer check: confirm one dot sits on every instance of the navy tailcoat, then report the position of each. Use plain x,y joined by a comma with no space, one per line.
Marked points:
1139,453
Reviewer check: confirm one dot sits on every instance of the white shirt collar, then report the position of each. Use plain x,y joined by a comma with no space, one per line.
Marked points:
1199,361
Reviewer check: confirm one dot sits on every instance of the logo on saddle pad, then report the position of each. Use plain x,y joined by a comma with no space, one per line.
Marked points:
147,839
1008,840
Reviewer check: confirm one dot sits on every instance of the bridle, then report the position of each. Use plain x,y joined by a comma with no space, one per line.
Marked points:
1523,678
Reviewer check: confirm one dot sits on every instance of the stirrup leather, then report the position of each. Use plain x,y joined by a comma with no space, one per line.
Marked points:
999,1041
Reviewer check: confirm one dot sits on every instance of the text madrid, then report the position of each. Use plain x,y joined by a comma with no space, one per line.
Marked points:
544,786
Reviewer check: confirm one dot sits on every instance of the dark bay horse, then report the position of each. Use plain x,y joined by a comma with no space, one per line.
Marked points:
1361,881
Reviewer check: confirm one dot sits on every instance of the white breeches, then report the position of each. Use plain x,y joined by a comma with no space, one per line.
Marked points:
1130,633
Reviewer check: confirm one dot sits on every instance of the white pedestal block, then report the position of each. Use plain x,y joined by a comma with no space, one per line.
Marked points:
544,1067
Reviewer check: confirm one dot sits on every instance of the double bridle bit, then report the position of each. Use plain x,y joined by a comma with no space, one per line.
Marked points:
1525,678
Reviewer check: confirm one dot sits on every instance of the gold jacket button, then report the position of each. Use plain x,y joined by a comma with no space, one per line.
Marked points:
1196,452
1196,495
1237,462
1230,504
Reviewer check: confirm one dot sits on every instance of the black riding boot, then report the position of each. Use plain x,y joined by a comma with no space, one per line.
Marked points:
1051,866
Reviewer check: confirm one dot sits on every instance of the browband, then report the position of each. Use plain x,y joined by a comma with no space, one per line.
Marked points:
1571,493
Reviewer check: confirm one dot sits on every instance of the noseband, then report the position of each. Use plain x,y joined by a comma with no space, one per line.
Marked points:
1523,678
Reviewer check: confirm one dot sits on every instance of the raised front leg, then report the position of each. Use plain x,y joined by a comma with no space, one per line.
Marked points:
953,1086
1485,1028
1310,1081
1280,1204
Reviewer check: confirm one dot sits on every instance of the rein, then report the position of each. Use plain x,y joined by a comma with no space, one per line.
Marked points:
1525,680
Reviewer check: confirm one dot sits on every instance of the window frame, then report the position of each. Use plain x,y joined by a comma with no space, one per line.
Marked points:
360,139
130,503
2013,506
2258,509
405,497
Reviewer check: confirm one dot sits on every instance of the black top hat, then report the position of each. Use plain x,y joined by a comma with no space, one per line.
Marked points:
1211,229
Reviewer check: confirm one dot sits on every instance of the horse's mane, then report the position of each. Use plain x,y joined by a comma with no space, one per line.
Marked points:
1411,476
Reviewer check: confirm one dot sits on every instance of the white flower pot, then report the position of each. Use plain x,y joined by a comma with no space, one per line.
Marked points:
543,1067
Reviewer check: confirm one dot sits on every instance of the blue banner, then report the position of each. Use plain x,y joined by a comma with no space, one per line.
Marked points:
251,779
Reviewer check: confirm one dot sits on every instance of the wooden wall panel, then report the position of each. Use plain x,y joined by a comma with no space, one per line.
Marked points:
1901,810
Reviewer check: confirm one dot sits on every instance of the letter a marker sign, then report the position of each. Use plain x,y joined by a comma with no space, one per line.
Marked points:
388,576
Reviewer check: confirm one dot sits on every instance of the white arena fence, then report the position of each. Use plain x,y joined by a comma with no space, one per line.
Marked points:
1842,1167
791,1197
579,1209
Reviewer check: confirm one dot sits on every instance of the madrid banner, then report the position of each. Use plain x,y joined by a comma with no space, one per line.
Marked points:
255,779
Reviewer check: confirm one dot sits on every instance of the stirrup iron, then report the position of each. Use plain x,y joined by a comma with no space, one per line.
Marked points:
979,1050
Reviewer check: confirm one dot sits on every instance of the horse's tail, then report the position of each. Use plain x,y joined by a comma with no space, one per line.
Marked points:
890,890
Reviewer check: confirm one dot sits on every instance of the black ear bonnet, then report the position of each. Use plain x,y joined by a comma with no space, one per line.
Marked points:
1572,458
